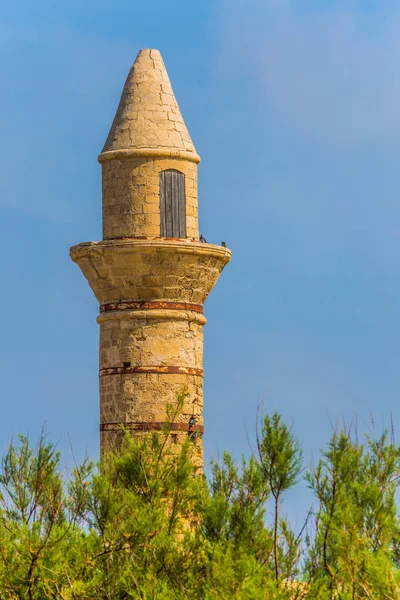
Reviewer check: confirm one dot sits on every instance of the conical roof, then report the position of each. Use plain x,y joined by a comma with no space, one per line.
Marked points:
148,116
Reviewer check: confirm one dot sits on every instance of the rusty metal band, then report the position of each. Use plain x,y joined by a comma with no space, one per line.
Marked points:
149,426
151,304
145,370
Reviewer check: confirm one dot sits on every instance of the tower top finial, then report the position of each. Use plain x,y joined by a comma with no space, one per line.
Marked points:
148,116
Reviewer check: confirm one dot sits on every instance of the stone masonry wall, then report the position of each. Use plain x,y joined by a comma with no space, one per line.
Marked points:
131,196
150,339
150,270
144,397
150,342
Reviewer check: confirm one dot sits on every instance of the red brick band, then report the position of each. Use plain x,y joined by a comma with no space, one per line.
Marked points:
149,426
148,304
145,370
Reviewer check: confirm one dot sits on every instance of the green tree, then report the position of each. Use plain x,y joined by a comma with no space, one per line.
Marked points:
145,524
354,554
281,461
36,521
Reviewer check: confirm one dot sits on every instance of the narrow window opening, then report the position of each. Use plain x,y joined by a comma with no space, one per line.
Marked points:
126,365
172,204
174,438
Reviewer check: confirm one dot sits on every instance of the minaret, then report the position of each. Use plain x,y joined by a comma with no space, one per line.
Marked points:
150,273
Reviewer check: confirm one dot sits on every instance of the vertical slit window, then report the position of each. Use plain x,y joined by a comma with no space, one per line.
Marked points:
172,204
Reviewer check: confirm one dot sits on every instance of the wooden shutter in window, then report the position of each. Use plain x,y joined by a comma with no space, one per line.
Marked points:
172,204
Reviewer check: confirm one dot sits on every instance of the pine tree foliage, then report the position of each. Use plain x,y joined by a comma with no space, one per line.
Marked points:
145,524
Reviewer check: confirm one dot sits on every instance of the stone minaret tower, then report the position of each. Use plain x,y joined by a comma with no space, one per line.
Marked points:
150,273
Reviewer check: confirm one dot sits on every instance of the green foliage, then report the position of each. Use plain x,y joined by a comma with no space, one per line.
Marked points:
145,524
357,535
281,460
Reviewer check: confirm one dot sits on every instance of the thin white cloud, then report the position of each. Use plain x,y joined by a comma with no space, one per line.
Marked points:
331,75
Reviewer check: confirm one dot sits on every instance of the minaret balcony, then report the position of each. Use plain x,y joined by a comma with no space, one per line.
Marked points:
183,271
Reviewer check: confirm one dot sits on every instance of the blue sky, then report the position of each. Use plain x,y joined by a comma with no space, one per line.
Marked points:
295,110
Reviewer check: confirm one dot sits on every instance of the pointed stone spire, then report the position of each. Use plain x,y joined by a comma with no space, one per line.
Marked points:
148,116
